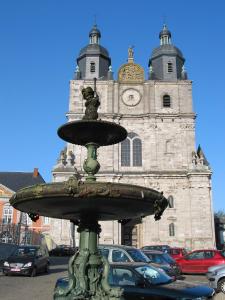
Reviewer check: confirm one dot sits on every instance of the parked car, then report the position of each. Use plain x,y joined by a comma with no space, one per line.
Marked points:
199,261
5,251
163,248
216,277
165,261
27,260
122,253
62,250
177,252
142,281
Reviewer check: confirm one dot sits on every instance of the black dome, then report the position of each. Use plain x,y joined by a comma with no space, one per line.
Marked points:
95,30
165,31
167,49
94,49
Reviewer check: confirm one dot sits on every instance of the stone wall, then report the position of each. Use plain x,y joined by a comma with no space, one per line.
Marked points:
168,143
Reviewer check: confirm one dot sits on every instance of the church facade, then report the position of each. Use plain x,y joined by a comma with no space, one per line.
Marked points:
159,152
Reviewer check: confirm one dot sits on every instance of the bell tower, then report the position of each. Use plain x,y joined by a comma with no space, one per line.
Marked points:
167,61
93,60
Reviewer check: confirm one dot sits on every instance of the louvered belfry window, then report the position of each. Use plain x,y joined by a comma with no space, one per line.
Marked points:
170,67
92,67
166,101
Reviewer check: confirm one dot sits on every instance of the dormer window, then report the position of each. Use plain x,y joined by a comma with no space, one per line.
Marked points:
170,67
166,101
92,67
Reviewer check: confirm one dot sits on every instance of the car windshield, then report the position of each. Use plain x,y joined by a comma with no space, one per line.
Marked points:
160,258
138,255
25,251
154,275
168,258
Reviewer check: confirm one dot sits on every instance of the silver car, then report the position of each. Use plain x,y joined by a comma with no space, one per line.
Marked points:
122,253
216,277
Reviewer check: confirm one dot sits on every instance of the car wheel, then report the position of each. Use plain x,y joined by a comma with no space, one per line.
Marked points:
221,285
47,268
33,272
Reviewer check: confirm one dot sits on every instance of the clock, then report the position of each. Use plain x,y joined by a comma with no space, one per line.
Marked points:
131,97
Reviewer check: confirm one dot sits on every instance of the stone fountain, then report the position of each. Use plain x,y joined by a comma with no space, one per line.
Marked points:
85,202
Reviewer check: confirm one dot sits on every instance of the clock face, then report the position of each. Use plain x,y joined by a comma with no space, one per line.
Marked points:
131,97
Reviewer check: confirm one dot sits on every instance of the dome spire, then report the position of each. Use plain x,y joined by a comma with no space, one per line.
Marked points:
165,36
94,35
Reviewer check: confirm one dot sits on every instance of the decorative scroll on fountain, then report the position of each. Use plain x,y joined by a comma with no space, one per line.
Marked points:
87,202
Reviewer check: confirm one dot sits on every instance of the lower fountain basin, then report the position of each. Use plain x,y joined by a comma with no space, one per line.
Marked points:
103,201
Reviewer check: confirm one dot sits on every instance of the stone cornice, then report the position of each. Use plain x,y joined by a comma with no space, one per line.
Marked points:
196,173
150,174
146,82
138,116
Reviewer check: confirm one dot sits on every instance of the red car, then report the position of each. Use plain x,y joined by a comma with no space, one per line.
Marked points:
176,252
199,261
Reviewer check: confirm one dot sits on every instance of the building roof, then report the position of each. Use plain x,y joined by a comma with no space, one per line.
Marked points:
165,31
94,49
167,49
95,30
18,180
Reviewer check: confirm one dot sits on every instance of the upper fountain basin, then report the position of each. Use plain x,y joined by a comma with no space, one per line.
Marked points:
100,132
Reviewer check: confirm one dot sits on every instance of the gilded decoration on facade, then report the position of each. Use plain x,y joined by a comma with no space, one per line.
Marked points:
131,72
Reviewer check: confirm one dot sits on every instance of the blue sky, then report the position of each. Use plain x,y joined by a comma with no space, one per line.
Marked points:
40,41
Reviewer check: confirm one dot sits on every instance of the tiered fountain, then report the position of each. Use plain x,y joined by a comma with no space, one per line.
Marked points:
87,202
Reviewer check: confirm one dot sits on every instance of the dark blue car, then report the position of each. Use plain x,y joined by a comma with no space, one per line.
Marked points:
141,281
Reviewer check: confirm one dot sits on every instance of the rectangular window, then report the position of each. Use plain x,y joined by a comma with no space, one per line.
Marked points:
92,67
46,220
166,101
170,67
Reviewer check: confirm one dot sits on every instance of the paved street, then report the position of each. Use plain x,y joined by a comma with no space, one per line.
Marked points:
33,288
41,287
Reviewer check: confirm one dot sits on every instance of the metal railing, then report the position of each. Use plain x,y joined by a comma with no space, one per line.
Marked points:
19,234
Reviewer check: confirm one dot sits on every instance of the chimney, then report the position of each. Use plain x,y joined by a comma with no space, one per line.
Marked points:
35,172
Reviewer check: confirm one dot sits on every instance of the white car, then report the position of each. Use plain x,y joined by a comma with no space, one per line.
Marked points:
216,277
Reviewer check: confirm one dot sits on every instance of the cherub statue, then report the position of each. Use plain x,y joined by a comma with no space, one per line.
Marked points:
131,52
92,103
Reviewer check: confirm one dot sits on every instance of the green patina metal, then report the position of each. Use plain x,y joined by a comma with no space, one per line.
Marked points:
87,202
88,271
92,102
91,165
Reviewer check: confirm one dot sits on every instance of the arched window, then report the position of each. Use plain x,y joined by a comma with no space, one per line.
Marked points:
92,67
7,214
171,202
170,67
131,151
137,152
168,146
171,229
125,153
166,101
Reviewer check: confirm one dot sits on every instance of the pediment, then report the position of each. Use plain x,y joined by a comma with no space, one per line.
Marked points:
5,191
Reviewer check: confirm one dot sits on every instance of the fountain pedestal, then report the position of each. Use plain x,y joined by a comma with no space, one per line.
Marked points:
88,271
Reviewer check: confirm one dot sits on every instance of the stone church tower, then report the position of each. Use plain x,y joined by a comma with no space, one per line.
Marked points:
159,151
